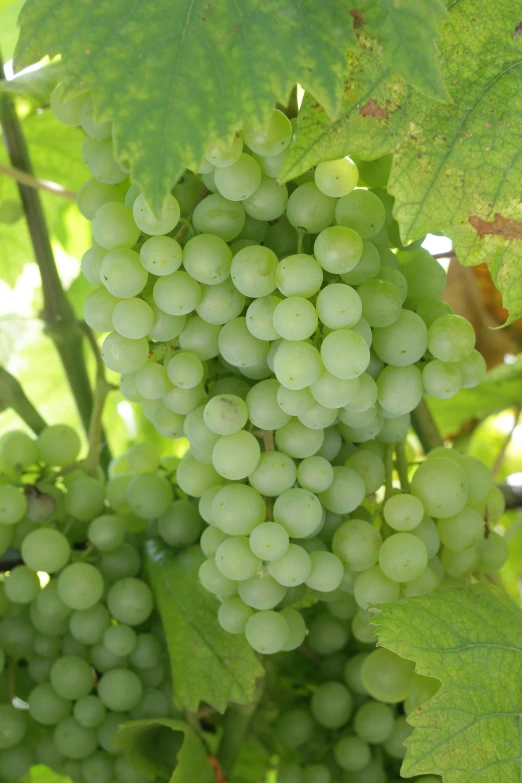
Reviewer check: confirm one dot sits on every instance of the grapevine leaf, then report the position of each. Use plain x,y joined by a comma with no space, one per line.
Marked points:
471,640
152,750
35,86
176,76
208,664
408,32
457,166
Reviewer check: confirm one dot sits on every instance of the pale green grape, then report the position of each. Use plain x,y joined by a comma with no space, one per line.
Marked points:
261,592
386,676
345,493
97,768
85,498
270,138
130,601
22,585
274,474
425,276
403,557
394,745
73,740
152,381
319,417
143,457
233,615
345,354
161,255
267,632
299,275
66,110
441,485
238,347
207,259
211,538
213,580
150,223
357,419
298,511
352,753
428,533
113,227
80,586
374,587
331,392
254,230
367,266
131,194
93,128
459,564
295,727
177,294
93,194
336,177
338,306
297,627
293,568
58,445
107,532
185,370
451,338
472,369
281,237
200,338
393,276
263,409
121,562
441,379
310,209
366,394
239,180
89,711
357,543
236,456
122,273
493,552
326,635
224,154
403,512
18,451
225,414
46,550
297,364
295,318
332,705
326,573
268,202
194,477
402,343
295,402
369,466
220,216
352,673
462,530
338,249
269,541
253,271
181,525
202,440
91,263
120,690
431,309
297,440
99,158
98,308
259,317
221,303
71,677
123,355
133,318
424,584
315,474
381,303
399,389
362,211
87,625
149,495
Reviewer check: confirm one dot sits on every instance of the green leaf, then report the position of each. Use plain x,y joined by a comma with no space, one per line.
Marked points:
9,11
36,85
408,32
153,751
176,76
501,389
471,640
457,167
208,664
42,774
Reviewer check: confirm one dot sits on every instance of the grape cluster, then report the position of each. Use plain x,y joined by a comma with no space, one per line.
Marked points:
80,646
275,328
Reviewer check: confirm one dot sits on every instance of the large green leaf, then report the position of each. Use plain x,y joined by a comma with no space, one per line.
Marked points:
471,640
149,746
176,76
208,664
457,167
36,85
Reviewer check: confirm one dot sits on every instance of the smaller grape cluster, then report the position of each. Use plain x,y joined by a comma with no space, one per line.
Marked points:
81,648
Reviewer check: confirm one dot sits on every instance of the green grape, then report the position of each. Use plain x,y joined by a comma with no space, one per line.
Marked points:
58,445
375,587
331,705
269,541
143,457
339,306
73,740
263,408
239,180
394,745
289,773
185,370
153,705
255,230
97,768
233,615
267,202
223,155
381,303
98,308
310,209
295,727
47,646
298,511
259,317
357,543
91,263
441,485
267,632
22,585
315,474
403,557
345,493
94,194
441,379
297,627
362,211
207,259
386,676
87,625
399,389
152,382
71,677
161,255
7,533
46,550
420,690
211,538
13,726
177,293
478,475
80,586
149,495
235,456
365,396
369,466
235,559
462,530
202,439
297,364
133,318
13,505
261,591
393,276
130,601
124,355
85,498
345,354
295,318
336,178
165,326
403,512
120,639
458,564
220,216
326,635
493,552
213,580
338,249
194,477
402,343
299,275
46,706
103,661
352,753
66,110
352,673
424,584
106,731
431,309
451,338
268,139
225,414
366,268
316,773
253,271
99,158
18,451
183,400
120,690
181,524
297,440
274,474
238,347
425,276
221,303
295,402
113,228
150,223
93,128
472,369
326,573
329,392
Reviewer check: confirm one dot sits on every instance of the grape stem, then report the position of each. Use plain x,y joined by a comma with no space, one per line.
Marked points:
58,314
187,223
388,467
235,728
97,441
13,396
36,182
425,427
507,440
401,463
301,233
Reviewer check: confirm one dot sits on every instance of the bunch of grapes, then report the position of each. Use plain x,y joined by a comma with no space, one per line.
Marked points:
275,327
81,650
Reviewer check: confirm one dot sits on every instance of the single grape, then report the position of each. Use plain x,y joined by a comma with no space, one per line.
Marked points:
151,223
267,632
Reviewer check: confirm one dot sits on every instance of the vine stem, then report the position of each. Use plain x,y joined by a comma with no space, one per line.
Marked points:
13,396
401,463
235,727
507,440
35,182
425,427
301,233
